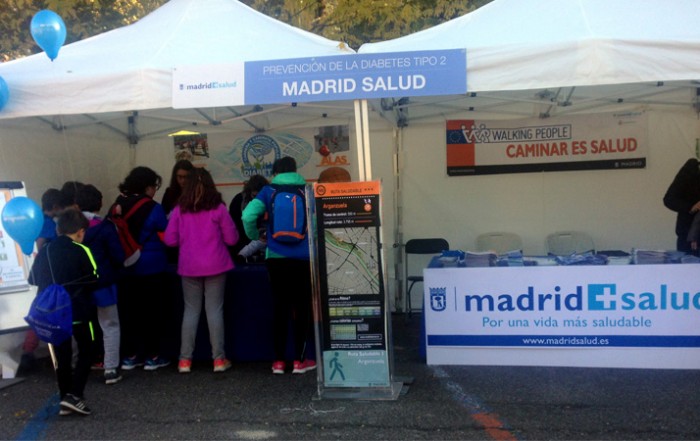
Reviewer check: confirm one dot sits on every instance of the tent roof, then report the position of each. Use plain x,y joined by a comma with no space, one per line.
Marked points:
521,44
130,68
552,52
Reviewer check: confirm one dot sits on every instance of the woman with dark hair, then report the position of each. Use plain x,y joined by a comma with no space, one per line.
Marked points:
251,188
202,228
178,179
143,301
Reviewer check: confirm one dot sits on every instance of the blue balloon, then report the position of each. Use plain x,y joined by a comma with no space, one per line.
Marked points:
48,31
22,218
4,93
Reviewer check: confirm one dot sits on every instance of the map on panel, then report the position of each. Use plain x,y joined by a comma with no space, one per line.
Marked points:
352,263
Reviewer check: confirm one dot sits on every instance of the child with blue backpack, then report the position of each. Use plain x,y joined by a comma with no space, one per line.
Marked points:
65,261
287,259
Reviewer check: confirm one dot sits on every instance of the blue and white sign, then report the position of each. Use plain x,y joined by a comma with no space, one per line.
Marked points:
208,86
356,76
613,316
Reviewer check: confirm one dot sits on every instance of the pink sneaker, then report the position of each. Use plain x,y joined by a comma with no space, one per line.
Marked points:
278,367
184,366
221,365
302,367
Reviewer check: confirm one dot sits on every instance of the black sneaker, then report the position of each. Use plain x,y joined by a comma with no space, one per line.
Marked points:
72,403
112,376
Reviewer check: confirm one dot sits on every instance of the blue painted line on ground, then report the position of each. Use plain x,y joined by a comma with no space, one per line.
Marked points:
35,429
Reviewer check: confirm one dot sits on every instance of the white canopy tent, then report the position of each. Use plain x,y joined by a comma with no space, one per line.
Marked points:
104,104
130,68
524,59
564,56
541,59
115,89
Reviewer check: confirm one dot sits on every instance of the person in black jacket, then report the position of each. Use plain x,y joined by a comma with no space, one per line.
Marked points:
67,262
251,188
683,197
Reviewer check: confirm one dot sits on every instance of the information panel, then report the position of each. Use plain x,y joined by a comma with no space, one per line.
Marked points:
353,324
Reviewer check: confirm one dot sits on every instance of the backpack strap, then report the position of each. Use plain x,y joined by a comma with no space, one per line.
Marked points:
48,259
136,206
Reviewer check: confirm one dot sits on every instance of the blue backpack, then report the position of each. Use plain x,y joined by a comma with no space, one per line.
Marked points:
288,214
51,315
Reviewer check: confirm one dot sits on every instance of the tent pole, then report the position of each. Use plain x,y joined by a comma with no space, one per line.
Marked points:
398,222
365,141
359,137
133,139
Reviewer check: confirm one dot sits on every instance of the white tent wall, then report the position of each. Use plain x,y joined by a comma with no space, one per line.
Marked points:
620,209
43,157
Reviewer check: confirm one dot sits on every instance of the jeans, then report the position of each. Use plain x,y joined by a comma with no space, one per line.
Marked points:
210,289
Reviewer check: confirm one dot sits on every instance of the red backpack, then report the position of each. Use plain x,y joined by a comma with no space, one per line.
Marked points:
132,248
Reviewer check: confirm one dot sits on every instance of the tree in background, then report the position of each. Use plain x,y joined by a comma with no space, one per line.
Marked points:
83,18
352,21
364,21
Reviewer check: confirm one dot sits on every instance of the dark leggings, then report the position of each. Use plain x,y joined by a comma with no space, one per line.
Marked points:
290,280
143,313
73,380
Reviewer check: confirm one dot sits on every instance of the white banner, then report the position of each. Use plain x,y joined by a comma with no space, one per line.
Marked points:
208,86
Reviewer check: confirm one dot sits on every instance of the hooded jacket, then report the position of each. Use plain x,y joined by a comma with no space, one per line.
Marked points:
261,205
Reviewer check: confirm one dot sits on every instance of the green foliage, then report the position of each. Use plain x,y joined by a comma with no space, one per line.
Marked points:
83,18
363,21
352,21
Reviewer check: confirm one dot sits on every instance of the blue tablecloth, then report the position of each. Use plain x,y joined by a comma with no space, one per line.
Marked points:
247,317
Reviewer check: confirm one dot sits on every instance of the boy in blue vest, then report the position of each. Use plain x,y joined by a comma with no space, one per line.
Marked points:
67,262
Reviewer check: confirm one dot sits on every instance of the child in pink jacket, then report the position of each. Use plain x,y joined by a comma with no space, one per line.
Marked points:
202,227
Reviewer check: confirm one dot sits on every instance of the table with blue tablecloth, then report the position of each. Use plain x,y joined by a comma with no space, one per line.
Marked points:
247,318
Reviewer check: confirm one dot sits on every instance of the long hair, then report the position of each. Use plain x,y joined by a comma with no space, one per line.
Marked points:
182,164
138,179
200,193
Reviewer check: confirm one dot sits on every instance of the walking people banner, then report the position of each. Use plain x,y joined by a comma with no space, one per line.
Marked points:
616,141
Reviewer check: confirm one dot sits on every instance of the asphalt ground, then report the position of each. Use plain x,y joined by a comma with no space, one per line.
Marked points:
443,403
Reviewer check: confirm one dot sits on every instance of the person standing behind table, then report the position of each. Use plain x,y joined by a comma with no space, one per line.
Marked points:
144,300
683,197
251,188
334,174
289,270
67,262
202,229
103,241
178,180
70,190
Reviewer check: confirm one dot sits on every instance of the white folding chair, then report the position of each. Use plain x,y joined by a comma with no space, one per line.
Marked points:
499,242
564,243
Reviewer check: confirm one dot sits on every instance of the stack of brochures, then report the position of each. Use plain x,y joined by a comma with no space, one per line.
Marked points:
511,258
474,259
587,258
647,257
